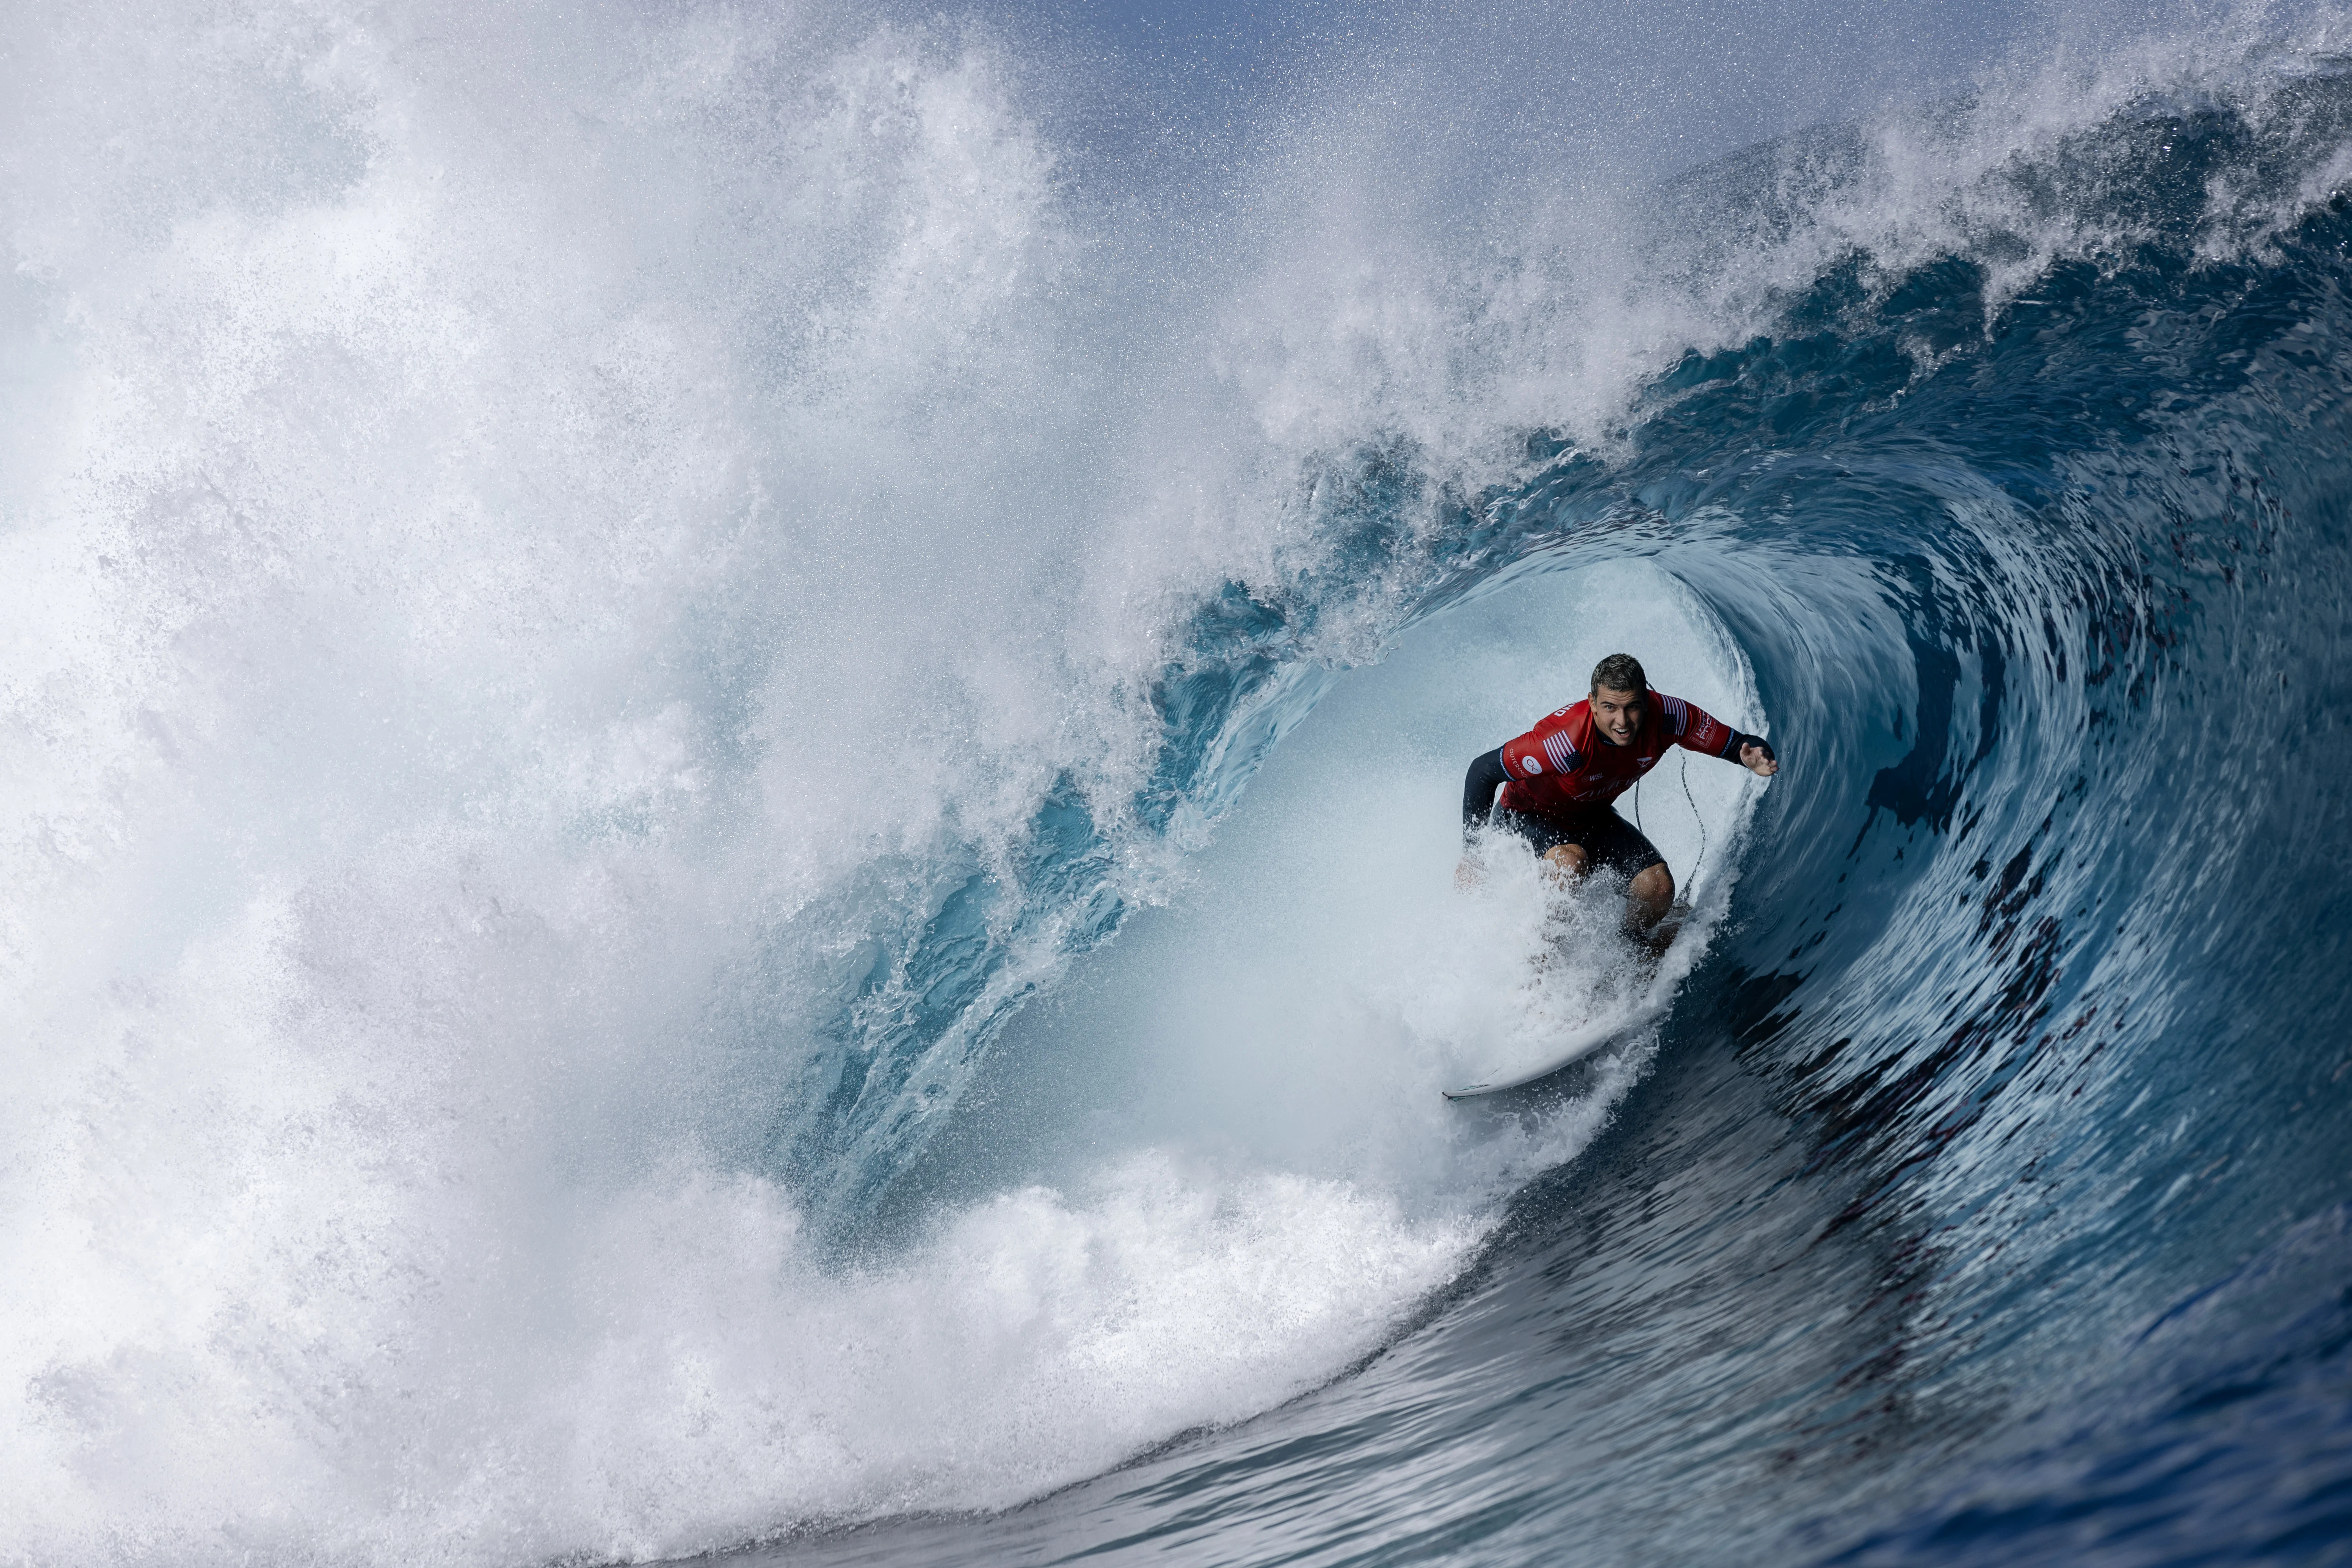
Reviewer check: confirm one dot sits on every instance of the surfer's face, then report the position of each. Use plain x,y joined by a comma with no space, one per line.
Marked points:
1617,714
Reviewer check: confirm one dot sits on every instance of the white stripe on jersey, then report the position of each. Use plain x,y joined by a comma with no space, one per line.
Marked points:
1564,755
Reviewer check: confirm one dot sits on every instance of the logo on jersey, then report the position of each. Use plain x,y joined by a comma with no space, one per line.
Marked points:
1708,732
1533,766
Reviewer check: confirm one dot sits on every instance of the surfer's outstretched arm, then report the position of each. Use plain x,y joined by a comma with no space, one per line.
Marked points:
1695,729
1478,787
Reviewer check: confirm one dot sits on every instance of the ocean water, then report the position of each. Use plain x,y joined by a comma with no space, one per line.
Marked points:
731,738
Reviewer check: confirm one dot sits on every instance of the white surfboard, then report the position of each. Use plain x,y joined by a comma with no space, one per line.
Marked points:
1594,1033
1573,1047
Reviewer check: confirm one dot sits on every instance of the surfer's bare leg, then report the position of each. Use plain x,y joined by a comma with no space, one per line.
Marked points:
1565,862
1648,897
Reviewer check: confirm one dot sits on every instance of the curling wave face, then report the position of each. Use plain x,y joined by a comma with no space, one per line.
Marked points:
603,627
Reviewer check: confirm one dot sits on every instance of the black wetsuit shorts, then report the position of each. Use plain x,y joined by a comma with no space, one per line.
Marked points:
1608,840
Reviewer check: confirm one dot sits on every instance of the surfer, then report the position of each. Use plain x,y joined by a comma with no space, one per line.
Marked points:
1560,778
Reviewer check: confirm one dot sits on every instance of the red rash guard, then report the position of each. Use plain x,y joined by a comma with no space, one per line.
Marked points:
1563,768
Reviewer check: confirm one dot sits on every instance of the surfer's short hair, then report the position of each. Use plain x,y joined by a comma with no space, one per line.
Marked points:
1620,672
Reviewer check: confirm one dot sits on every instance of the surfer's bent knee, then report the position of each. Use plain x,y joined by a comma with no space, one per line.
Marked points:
1569,858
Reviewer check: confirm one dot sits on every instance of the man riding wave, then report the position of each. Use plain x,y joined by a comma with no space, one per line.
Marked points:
1560,778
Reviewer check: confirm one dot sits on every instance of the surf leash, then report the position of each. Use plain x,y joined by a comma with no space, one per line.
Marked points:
1693,800
1695,818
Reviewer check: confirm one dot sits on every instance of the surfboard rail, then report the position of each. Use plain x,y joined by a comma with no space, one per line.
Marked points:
1579,1044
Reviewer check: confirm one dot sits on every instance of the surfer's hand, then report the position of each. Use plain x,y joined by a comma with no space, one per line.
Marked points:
1759,759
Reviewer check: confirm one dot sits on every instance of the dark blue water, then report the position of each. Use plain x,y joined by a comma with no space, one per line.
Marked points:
1987,1200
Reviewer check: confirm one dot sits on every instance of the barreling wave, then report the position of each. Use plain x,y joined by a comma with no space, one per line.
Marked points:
1989,519
2032,518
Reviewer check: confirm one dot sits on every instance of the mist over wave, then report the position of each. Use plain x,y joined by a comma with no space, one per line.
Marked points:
608,612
